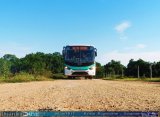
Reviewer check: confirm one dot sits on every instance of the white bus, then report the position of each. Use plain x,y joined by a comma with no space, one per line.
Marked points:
79,61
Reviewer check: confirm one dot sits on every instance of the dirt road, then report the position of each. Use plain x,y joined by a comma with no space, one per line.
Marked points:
65,95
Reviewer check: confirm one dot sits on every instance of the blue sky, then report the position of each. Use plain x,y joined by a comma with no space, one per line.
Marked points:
119,29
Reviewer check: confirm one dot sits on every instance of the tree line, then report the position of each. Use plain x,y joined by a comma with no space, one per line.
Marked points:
47,64
35,63
135,68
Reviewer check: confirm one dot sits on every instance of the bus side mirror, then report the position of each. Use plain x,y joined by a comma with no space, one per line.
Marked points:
95,52
63,53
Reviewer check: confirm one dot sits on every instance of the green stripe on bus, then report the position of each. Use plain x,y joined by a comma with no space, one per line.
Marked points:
80,68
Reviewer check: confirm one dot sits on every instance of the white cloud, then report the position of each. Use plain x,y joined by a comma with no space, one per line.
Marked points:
140,46
136,47
120,28
124,57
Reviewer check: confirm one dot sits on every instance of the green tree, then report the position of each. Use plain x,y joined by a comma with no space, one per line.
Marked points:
114,68
14,62
40,63
156,69
132,68
5,68
99,70
34,63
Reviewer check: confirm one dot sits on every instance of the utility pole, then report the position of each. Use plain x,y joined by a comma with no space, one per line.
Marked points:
150,70
138,71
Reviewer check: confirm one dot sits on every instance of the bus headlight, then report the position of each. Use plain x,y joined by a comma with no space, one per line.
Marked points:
91,68
67,68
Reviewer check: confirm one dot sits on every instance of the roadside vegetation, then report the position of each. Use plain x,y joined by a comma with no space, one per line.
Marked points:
40,66
139,70
33,67
134,79
23,77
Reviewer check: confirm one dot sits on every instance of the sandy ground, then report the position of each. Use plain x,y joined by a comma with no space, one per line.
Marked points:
68,95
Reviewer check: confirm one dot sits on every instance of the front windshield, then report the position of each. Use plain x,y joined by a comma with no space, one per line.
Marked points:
80,56
83,56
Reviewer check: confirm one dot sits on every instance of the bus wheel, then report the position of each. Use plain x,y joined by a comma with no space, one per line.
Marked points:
69,77
90,77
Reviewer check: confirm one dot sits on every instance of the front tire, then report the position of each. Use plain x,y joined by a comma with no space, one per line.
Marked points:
71,77
90,77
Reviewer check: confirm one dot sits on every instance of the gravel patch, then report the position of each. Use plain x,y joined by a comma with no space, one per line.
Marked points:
77,95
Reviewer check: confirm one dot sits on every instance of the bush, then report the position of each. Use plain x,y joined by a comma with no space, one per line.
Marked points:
47,74
21,77
24,77
58,76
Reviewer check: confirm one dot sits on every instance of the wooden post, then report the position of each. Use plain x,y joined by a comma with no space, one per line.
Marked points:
138,71
150,71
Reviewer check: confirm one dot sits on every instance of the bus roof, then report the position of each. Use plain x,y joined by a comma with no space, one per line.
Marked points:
79,45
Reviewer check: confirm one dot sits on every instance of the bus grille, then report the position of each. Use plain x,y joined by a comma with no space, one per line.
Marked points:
80,73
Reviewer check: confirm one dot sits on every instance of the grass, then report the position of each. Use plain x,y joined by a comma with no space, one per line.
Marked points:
58,76
23,77
134,79
152,80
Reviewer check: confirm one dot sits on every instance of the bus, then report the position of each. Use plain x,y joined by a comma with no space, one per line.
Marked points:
79,61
